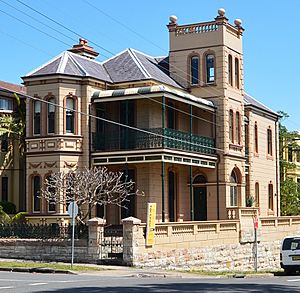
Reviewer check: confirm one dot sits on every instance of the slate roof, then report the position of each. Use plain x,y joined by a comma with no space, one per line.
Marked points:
72,64
129,65
132,65
250,101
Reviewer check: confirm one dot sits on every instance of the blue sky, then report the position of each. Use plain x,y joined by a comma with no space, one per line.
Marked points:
271,38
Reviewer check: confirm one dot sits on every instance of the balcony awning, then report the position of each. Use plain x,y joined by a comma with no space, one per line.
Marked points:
142,92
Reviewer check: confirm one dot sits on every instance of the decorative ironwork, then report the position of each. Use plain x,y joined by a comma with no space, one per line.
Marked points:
129,139
111,244
44,231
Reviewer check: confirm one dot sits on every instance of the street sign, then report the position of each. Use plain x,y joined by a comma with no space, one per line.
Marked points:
73,208
255,222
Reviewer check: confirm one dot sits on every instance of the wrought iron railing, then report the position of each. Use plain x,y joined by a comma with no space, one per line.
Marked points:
43,231
129,139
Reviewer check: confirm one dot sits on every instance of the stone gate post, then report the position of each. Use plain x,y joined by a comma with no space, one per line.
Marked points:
130,239
96,229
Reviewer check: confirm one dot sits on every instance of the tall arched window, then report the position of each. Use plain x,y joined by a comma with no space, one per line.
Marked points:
36,117
233,189
257,194
51,189
231,130
237,73
270,196
269,136
51,116
237,128
36,188
70,115
194,70
230,78
210,68
256,137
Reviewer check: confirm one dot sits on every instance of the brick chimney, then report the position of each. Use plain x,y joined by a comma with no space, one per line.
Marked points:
84,49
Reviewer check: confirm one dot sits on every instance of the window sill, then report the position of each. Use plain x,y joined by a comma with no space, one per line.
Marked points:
209,84
235,147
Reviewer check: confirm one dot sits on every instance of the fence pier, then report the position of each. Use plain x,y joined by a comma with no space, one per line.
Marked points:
96,229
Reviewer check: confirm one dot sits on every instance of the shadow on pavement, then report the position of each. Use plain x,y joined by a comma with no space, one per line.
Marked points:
184,287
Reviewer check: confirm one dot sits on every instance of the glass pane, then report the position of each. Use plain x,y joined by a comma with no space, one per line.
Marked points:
37,107
70,103
210,68
195,70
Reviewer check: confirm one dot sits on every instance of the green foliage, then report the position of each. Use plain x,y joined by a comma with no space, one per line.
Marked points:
4,217
250,200
19,217
290,198
8,207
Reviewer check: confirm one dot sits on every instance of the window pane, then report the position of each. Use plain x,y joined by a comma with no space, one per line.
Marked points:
256,138
37,118
70,116
4,188
271,196
36,193
51,116
6,104
237,73
210,68
231,125
230,69
237,127
195,70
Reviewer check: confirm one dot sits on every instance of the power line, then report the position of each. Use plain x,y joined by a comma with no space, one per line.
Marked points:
63,26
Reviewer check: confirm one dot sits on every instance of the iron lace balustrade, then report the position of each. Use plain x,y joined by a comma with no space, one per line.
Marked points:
129,139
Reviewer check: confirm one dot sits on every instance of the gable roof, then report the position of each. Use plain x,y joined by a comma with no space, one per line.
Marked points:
132,65
72,64
11,87
250,101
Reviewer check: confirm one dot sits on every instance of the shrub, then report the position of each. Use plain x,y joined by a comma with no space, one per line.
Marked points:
8,207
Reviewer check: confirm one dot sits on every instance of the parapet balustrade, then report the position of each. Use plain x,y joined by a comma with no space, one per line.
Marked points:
235,213
196,28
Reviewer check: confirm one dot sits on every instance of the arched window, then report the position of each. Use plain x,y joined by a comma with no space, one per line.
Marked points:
270,196
36,189
51,189
257,194
237,128
210,68
230,70
231,130
70,115
36,117
51,116
269,136
237,73
256,137
233,189
194,70
200,179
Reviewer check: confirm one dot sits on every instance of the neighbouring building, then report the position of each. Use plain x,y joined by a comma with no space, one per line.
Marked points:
194,141
12,171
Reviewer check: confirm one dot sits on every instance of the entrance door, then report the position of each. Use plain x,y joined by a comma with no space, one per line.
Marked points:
200,203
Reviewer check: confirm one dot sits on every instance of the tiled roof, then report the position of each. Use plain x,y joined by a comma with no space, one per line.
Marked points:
131,65
12,87
250,101
72,64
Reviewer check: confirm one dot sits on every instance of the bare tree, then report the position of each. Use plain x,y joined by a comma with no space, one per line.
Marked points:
88,188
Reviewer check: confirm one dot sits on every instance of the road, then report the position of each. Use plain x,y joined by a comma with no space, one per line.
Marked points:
58,283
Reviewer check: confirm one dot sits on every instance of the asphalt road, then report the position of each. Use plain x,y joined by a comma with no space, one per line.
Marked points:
58,283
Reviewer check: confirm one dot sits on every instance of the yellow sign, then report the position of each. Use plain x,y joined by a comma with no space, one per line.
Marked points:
150,229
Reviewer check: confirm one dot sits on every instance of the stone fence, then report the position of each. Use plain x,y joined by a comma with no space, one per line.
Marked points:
210,245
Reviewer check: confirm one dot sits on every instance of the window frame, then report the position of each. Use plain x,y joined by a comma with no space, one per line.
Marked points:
51,101
230,70
237,72
36,201
238,128
269,142
207,69
194,70
233,200
231,126
37,117
256,138
70,114
270,197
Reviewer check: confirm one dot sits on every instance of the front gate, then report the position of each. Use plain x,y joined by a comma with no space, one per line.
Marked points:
111,244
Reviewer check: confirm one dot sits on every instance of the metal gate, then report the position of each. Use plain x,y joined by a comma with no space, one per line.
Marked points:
111,244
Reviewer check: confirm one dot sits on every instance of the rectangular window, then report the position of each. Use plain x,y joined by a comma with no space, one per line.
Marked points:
256,138
237,128
270,193
128,207
37,117
51,116
4,188
6,104
290,154
231,135
269,134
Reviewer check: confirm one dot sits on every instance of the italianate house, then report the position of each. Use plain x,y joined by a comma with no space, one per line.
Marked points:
180,126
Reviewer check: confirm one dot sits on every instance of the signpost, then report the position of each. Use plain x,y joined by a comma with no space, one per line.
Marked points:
150,228
73,211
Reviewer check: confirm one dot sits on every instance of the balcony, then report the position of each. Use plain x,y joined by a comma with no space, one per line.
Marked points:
128,139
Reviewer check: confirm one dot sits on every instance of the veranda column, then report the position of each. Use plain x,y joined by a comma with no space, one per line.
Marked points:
191,168
162,162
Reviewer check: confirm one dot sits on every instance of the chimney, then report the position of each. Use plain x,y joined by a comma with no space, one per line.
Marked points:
84,49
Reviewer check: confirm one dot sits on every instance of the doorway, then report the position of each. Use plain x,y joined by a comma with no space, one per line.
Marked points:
200,198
